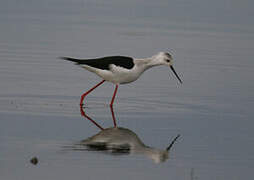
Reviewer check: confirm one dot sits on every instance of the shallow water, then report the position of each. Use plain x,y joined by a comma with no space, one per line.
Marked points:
212,110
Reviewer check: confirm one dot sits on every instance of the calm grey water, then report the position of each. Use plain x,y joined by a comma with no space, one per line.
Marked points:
212,44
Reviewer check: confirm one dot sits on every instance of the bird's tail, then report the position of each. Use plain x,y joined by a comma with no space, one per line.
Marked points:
77,61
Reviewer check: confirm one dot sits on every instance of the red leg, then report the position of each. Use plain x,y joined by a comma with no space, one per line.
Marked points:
113,115
86,93
114,95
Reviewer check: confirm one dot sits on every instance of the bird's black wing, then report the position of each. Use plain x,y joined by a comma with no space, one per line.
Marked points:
103,63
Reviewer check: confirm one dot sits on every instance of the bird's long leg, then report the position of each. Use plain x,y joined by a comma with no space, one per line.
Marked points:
113,115
114,95
86,93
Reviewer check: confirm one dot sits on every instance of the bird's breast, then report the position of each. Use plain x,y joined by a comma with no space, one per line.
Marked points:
122,76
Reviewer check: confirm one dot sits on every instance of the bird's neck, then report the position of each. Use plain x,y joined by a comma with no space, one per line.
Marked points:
146,63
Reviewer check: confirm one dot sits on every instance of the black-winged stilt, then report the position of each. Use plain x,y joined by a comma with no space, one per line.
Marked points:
121,69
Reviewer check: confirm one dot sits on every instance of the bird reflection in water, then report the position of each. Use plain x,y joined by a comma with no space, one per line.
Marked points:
119,140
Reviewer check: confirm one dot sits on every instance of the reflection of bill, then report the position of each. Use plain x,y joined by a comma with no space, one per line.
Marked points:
121,141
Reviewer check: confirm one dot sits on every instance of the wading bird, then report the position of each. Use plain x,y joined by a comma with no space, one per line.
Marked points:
121,69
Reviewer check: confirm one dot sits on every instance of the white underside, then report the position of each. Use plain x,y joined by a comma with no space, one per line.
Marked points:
116,74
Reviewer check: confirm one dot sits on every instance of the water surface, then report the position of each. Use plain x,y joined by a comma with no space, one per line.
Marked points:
212,45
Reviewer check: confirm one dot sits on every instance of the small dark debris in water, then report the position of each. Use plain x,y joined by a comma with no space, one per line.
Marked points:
34,160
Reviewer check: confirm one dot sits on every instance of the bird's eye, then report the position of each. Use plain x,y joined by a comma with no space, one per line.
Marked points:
168,60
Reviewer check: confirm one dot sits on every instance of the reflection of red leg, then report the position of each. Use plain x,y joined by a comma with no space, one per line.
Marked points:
90,119
114,95
86,93
113,115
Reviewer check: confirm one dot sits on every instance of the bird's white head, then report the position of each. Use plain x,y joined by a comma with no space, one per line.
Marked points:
164,58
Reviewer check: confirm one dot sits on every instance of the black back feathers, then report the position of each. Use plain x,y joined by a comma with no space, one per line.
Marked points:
105,62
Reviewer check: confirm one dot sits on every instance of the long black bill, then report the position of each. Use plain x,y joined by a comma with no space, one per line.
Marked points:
172,68
171,144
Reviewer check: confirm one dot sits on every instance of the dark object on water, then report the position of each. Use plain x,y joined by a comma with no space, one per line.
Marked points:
34,161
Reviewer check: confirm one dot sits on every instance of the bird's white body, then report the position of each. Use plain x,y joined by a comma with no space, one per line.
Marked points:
117,74
120,75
